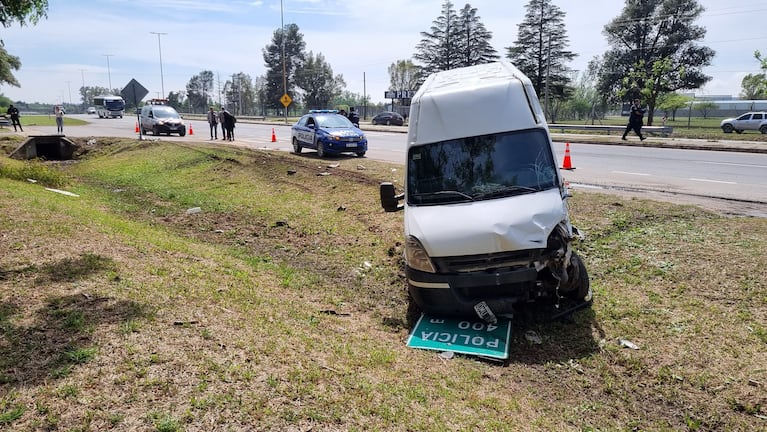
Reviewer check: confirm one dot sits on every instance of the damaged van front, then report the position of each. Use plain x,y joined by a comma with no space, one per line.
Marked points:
486,217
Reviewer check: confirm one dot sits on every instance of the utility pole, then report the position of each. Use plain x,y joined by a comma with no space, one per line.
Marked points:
109,71
69,87
159,46
284,68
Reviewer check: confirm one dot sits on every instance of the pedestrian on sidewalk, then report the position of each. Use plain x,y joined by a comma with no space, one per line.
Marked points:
636,116
14,113
213,122
59,113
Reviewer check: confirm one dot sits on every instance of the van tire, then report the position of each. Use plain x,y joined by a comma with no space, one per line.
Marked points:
581,290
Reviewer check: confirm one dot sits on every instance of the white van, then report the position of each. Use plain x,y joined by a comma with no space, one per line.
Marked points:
486,219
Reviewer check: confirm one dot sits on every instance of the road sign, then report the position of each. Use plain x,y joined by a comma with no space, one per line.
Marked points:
286,100
462,336
399,94
134,92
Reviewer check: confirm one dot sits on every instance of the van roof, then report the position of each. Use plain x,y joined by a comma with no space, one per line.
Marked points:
472,101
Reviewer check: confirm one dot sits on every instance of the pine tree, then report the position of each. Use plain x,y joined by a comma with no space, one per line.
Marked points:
295,56
474,39
317,82
540,50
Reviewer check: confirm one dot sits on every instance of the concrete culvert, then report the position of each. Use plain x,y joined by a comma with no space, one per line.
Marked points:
48,147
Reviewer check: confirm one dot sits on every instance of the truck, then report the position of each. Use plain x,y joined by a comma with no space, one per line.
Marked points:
486,220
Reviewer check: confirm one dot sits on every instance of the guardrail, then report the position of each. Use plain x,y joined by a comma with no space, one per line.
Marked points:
652,130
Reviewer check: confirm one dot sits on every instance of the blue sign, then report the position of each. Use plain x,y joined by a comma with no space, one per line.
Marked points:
462,336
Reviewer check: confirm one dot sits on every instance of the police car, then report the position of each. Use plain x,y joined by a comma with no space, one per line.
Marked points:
329,133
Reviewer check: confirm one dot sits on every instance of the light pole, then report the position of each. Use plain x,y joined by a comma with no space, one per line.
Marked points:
109,71
159,46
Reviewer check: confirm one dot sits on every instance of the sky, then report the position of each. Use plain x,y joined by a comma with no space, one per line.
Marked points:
96,42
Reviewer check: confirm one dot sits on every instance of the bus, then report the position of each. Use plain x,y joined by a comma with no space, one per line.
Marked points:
109,106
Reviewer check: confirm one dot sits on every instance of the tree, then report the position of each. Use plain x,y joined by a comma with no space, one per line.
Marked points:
540,50
240,95
198,90
294,47
25,12
454,41
316,80
755,85
705,107
654,51
474,39
671,102
404,75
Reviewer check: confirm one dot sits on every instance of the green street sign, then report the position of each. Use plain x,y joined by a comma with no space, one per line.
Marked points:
462,336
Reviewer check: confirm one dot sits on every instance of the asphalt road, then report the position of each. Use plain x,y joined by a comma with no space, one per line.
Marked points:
727,181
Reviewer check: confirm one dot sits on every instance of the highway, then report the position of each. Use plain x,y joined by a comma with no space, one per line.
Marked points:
729,181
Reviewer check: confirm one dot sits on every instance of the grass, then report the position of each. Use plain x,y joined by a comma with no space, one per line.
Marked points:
120,311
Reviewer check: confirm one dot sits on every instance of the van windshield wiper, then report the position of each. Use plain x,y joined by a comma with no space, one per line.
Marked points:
443,196
506,191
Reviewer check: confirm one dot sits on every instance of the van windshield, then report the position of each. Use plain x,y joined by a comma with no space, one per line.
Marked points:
481,167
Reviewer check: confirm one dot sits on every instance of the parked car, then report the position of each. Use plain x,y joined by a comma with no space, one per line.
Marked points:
91,110
161,119
747,121
329,133
388,118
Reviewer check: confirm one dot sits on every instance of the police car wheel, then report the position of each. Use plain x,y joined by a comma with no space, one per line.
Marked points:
320,150
296,146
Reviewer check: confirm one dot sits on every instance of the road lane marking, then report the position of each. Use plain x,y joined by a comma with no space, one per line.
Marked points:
711,181
735,164
630,173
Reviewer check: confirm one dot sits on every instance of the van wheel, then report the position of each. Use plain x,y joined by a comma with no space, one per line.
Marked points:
581,289
296,146
413,312
320,150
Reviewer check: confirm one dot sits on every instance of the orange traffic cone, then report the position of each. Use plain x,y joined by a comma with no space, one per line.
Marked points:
191,131
274,137
567,163
136,127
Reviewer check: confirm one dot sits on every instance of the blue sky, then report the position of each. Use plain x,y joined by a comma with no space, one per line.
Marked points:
359,39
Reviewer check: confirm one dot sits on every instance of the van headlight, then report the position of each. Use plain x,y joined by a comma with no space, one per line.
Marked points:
416,256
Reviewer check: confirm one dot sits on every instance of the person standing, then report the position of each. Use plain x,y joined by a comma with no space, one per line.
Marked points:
213,122
59,113
14,113
636,115
229,121
221,122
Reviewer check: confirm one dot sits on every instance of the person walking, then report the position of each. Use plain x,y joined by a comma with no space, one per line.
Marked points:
636,115
213,122
14,113
59,113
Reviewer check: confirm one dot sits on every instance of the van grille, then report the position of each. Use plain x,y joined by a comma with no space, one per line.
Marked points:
484,262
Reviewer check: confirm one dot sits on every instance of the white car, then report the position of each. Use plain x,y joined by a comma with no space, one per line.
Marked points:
747,121
91,110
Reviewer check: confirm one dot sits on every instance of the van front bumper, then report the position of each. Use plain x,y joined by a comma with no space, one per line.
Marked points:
457,294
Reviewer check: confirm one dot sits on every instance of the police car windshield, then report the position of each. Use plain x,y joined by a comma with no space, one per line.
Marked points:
480,168
333,121
164,112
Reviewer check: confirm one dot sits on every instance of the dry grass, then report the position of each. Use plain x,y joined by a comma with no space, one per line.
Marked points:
280,306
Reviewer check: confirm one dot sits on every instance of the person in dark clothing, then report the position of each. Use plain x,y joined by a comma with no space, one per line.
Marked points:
635,120
14,113
229,122
353,117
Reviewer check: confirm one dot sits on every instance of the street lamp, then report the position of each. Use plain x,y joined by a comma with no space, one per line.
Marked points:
159,46
109,71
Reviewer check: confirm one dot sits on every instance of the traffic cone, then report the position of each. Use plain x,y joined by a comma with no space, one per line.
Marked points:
567,163
274,137
191,131
136,127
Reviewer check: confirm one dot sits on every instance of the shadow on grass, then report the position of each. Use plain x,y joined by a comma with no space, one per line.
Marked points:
60,334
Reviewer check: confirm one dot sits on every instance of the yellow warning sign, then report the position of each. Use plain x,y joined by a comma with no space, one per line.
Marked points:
286,100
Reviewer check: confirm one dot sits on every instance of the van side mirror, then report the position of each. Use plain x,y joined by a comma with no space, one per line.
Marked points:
389,200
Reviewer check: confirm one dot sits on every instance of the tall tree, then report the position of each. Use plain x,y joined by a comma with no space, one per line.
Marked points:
474,39
294,58
240,95
404,75
438,50
317,82
454,40
754,86
653,51
198,90
25,12
540,50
